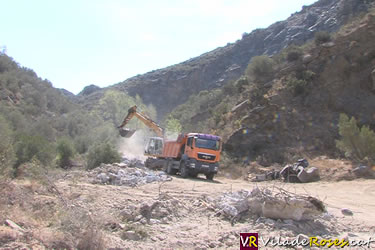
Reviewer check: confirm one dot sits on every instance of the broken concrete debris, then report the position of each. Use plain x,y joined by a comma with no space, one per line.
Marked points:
346,212
297,173
127,173
279,204
364,172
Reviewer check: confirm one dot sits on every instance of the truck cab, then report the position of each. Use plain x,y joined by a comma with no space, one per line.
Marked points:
192,154
202,154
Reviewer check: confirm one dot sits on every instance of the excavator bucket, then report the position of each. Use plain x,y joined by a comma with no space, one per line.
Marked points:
126,132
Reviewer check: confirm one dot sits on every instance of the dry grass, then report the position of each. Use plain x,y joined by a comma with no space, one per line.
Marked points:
91,239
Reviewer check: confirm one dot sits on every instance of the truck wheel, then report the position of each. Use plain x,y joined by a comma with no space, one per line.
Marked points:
183,170
194,175
170,169
147,163
210,176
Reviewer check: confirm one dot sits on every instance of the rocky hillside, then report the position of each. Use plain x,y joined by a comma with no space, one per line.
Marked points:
166,88
299,109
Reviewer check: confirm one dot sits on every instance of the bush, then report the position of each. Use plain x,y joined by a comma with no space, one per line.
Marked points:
81,144
293,53
241,83
322,37
296,85
7,156
298,82
173,125
260,67
29,146
102,153
65,152
229,88
357,143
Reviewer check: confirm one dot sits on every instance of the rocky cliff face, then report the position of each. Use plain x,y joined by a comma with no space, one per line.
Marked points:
307,123
166,88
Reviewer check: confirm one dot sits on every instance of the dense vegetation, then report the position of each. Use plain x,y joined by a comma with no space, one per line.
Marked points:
38,122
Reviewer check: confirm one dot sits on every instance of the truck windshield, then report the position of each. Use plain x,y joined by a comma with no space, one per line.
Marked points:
206,143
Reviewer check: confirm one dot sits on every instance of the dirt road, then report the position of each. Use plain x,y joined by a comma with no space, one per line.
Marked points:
183,217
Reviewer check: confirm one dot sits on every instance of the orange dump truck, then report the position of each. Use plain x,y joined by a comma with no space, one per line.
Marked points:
191,154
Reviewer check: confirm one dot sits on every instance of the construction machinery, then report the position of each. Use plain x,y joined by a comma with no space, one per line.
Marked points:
190,154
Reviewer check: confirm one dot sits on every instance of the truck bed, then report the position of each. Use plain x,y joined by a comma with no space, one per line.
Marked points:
171,149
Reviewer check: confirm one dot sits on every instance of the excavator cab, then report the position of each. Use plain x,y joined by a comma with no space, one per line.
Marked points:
127,133
154,146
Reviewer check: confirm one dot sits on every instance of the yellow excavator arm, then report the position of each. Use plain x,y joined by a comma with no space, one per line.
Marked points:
145,119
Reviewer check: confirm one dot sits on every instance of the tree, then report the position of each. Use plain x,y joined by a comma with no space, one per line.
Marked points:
356,142
261,67
65,152
173,126
28,146
102,153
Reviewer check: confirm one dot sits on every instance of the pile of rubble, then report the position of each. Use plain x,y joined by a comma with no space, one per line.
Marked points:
161,211
296,173
128,173
279,204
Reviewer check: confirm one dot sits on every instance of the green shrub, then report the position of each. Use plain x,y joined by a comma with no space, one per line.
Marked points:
7,156
81,144
322,37
357,143
229,88
102,153
65,152
261,67
241,83
29,146
296,85
293,53
173,125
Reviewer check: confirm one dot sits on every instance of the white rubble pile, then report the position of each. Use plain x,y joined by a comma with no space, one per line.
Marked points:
162,211
279,204
129,173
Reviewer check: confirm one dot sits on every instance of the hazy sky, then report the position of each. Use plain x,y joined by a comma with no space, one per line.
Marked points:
74,43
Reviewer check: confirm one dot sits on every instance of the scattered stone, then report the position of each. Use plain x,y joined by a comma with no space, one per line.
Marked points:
161,237
14,225
138,218
363,171
328,45
229,243
103,178
131,235
269,222
131,174
271,205
309,175
346,212
212,244
307,58
240,106
154,221
291,222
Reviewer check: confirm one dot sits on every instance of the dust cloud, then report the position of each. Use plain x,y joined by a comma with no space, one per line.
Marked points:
133,147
